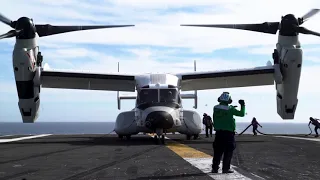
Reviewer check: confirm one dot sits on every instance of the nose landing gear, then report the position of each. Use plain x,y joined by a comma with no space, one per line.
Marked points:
159,137
195,136
128,137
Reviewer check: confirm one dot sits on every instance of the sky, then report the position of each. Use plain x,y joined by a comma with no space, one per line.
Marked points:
158,43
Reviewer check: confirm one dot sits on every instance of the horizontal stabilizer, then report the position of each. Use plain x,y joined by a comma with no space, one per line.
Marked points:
188,96
127,96
123,97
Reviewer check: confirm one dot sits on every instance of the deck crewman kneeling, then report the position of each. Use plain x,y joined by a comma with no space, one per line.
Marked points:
225,126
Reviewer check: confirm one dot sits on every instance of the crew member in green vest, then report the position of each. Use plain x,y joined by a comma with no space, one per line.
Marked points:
224,124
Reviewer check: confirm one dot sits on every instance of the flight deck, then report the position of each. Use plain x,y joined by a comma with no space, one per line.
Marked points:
95,157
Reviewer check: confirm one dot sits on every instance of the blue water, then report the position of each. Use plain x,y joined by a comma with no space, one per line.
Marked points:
8,128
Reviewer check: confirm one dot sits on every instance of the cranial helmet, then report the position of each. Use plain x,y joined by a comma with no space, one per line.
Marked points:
225,97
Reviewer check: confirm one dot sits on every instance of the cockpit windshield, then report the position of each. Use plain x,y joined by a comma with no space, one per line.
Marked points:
148,96
169,95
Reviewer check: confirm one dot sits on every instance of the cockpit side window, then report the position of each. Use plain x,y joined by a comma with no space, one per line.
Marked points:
147,96
169,95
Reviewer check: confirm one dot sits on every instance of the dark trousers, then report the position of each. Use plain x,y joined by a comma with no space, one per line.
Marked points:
316,130
224,144
207,129
254,129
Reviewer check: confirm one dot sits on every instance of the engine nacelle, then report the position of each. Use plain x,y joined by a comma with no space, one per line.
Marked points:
28,84
125,123
289,61
191,124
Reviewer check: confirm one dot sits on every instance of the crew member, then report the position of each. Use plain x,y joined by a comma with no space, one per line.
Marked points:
225,126
255,125
207,121
316,124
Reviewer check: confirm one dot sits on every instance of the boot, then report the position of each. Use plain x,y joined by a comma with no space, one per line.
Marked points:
214,171
227,171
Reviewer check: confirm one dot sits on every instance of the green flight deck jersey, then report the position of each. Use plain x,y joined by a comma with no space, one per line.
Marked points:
223,117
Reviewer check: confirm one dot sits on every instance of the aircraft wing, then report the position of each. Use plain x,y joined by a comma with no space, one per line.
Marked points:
257,76
88,81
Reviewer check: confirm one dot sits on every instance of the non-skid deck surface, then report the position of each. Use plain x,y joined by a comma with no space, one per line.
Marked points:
77,157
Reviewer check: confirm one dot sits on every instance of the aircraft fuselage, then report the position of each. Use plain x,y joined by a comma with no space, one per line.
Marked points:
158,108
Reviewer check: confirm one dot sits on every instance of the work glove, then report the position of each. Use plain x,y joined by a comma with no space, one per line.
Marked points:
241,102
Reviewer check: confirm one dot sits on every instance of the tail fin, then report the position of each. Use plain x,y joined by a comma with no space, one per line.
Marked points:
119,97
195,92
192,96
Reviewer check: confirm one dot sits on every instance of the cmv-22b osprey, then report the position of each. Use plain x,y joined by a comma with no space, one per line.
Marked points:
159,99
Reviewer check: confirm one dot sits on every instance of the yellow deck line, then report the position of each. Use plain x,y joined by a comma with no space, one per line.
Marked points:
185,151
200,160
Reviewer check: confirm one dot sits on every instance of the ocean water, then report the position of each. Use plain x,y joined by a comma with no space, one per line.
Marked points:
19,128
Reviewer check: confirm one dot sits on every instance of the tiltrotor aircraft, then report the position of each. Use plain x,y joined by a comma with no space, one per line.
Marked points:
159,99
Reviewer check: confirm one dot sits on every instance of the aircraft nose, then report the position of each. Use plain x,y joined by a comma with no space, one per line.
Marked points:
159,119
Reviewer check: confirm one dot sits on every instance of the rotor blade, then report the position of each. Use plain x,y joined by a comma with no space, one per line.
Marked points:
307,31
9,34
264,27
47,30
308,15
5,20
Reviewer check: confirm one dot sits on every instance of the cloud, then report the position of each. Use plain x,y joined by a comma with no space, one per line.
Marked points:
314,59
309,50
145,60
157,44
158,29
46,66
264,50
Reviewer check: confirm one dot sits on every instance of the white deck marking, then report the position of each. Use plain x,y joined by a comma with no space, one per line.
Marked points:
6,135
23,138
202,161
257,176
308,139
204,164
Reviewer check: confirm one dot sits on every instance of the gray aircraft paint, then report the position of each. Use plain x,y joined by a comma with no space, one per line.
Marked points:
286,74
27,77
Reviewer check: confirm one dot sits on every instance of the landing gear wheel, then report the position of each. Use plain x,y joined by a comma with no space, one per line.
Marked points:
128,137
196,136
188,137
162,139
156,139
120,136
